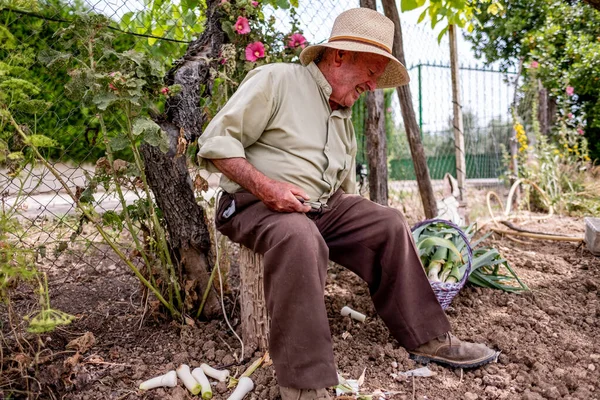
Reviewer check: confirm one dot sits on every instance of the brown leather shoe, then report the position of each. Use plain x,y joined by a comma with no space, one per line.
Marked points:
303,394
448,349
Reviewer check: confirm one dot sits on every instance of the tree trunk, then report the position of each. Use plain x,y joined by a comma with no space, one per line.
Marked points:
543,115
377,148
457,123
410,120
168,177
594,3
376,139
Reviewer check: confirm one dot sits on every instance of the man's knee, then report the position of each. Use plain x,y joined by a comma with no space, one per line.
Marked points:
299,234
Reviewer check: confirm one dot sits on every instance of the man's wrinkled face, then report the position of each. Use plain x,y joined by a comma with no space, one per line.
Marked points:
355,74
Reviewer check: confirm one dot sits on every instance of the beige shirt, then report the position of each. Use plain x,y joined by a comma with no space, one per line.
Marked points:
280,120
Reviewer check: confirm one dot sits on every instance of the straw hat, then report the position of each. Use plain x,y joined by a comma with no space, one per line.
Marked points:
366,30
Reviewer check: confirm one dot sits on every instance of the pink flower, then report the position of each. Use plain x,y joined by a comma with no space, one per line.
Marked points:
570,115
570,90
534,65
112,87
224,1
254,51
223,61
241,26
165,91
254,3
297,40
580,131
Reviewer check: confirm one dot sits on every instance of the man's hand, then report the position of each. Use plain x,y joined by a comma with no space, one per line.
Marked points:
278,196
283,197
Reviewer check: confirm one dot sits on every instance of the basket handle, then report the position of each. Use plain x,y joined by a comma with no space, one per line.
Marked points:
462,235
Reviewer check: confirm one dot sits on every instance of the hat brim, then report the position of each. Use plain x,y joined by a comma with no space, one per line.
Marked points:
395,73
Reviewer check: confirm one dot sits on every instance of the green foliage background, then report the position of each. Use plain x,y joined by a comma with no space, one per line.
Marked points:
563,37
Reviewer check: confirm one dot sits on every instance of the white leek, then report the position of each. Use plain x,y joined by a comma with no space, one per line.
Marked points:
183,372
198,374
353,314
220,375
169,379
244,386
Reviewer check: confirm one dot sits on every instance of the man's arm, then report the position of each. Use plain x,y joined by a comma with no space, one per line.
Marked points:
278,196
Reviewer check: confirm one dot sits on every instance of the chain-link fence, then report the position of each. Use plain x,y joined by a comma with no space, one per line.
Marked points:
51,226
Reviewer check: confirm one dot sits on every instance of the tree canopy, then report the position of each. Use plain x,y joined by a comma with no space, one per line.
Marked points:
561,39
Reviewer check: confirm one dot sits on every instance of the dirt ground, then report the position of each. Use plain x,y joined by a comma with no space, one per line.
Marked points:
549,338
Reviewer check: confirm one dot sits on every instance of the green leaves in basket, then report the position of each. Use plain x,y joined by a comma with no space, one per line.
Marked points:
439,255
443,254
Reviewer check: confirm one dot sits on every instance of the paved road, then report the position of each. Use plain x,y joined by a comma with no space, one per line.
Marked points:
58,204
42,195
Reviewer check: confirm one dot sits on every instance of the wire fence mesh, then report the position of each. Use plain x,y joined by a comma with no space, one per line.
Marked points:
52,227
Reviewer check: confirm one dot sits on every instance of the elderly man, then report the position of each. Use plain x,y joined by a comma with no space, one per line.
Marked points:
286,148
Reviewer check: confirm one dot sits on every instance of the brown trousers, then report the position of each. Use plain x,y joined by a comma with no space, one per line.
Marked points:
373,241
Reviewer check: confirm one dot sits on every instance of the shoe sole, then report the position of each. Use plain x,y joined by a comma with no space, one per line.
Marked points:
423,359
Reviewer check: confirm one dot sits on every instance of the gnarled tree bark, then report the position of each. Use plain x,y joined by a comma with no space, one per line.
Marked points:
376,139
168,176
377,147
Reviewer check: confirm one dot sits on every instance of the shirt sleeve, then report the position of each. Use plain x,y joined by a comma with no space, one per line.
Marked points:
240,122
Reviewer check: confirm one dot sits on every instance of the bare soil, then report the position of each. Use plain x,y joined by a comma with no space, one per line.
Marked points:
549,338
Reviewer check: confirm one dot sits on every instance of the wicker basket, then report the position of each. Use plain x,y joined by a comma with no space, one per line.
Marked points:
445,292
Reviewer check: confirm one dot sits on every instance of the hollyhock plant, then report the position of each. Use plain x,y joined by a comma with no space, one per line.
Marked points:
570,90
254,51
241,26
297,40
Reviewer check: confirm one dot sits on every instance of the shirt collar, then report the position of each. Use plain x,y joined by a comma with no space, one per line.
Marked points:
326,88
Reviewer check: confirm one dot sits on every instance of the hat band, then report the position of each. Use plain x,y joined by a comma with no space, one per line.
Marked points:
362,40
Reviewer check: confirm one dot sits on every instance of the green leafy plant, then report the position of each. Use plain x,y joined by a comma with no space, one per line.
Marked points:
252,40
47,319
455,12
561,37
559,163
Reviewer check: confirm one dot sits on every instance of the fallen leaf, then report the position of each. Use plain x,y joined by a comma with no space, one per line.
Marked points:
189,321
94,359
82,343
72,361
200,183
361,379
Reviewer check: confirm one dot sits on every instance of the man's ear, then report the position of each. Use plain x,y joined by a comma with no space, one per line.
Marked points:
340,56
